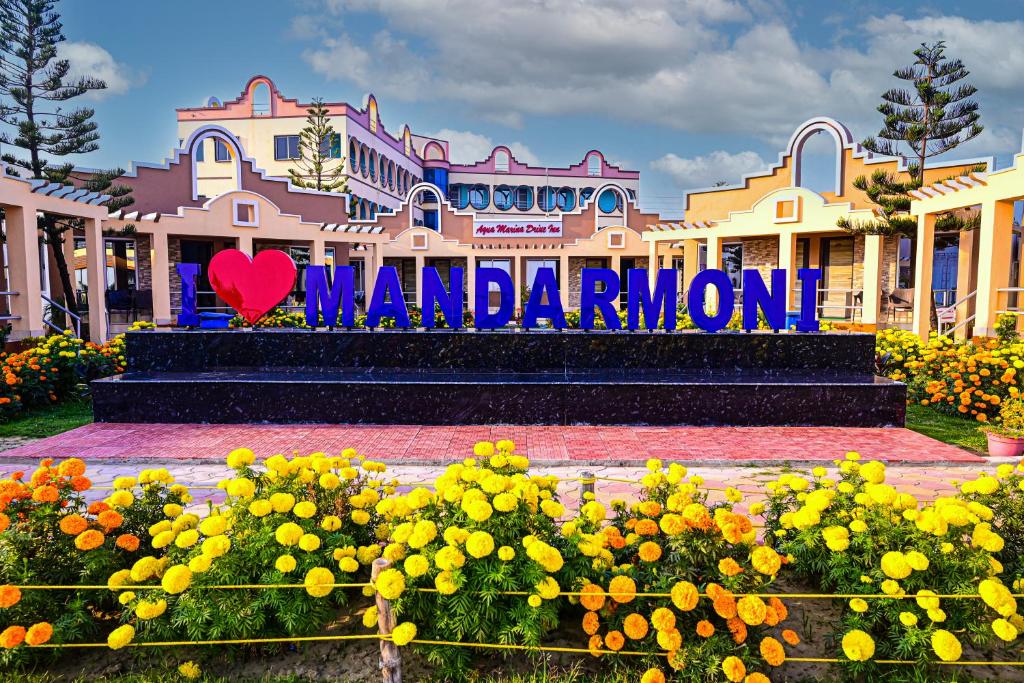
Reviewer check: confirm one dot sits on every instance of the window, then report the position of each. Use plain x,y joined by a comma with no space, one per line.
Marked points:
787,209
524,198
503,200
732,263
458,195
594,165
391,174
331,147
501,161
285,147
246,213
493,293
121,264
383,170
585,194
565,200
353,155
373,165
220,150
610,201
533,266
546,198
200,148
362,160
625,265
616,240
479,197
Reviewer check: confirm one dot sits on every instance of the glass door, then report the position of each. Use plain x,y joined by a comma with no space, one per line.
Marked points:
533,266
835,300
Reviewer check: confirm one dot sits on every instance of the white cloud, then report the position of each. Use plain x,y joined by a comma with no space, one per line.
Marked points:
702,66
708,169
467,147
91,60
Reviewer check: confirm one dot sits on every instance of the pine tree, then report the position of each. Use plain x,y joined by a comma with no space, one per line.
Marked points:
935,116
34,82
316,169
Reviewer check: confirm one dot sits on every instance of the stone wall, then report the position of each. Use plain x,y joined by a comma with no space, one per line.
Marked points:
173,259
761,254
143,261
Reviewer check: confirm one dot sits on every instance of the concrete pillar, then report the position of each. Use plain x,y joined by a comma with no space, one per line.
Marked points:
652,262
691,261
563,280
369,271
96,260
517,282
872,294
421,262
965,279
714,262
24,272
161,279
318,252
617,267
923,275
245,244
787,261
995,239
471,283
666,259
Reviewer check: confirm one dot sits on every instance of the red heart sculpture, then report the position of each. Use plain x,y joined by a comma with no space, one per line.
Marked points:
252,286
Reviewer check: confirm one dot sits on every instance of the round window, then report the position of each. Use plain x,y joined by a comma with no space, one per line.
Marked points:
503,199
479,197
610,201
566,199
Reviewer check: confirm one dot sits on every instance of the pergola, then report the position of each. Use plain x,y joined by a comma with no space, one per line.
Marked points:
22,200
994,194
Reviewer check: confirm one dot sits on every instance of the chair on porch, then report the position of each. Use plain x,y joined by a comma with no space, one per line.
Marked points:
118,301
901,305
142,303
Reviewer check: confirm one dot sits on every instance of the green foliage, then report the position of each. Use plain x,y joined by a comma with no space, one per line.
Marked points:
316,169
1006,328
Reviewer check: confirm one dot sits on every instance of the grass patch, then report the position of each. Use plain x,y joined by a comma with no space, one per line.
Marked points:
946,428
43,422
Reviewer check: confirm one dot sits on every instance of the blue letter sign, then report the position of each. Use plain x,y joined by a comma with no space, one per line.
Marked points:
189,316
485,277
451,303
726,298
387,283
808,321
340,296
756,295
663,300
545,284
603,300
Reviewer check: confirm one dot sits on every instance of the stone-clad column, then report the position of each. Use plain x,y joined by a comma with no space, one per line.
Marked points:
161,279
563,280
872,293
97,273
923,275
24,272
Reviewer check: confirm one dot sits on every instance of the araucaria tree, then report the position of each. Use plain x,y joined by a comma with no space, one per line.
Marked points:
320,165
932,116
34,84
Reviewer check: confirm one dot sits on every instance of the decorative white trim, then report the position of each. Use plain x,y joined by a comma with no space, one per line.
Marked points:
419,241
797,207
255,222
618,236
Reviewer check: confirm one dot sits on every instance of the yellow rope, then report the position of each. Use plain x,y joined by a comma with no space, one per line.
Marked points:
244,586
237,641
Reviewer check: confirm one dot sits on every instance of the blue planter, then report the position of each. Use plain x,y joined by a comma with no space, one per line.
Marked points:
214,321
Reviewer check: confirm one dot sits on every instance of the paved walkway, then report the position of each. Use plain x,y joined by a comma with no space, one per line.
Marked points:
608,446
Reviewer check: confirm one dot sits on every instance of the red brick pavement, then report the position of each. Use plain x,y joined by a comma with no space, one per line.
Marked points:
412,444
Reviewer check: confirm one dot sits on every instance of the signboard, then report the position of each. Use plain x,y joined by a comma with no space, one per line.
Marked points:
517,228
254,286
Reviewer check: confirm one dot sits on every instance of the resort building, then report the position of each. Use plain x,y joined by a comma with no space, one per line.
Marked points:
780,219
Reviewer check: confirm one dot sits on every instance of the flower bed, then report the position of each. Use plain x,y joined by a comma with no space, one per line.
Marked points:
671,586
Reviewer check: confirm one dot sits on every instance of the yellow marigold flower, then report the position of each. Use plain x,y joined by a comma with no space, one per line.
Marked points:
146,610
895,565
319,581
592,597
329,481
172,510
445,583
684,596
241,488
190,670
858,646
765,560
663,619
548,588
505,502
506,553
480,544
734,669
653,676
670,640
908,618
304,510
187,538
331,523
288,533
284,563
370,617
121,499
214,525
390,584
859,605
534,600
309,542
752,610
946,645
240,457
449,558
120,636
483,449
416,565
360,517
282,502
348,565
1004,630
176,579
216,546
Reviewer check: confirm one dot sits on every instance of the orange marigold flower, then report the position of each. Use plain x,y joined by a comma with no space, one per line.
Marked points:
110,519
751,610
772,651
729,567
97,507
5,521
756,677
663,619
635,626
73,524
39,634
81,483
725,606
591,623
771,617
9,595
622,589
779,607
791,637
592,597
45,494
734,669
595,644
649,508
738,629
705,629
650,551
72,467
12,637
653,676
647,527
89,540
129,542
614,640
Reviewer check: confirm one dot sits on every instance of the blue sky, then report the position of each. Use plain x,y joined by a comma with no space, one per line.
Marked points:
686,91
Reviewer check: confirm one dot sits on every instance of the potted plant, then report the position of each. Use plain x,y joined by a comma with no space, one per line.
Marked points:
1006,438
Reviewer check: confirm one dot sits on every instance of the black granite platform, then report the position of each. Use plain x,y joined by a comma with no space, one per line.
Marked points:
542,377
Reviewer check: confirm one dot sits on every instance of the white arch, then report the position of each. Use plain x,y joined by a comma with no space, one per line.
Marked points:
840,133
215,132
593,199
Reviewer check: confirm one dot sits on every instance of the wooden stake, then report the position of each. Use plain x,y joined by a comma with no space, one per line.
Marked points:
586,486
390,657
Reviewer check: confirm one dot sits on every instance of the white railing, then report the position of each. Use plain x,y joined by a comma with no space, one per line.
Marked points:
4,317
75,318
946,315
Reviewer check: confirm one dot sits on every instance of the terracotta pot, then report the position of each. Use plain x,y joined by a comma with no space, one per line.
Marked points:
1000,446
